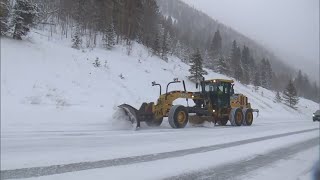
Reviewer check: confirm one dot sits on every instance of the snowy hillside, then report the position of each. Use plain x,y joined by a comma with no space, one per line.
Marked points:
48,85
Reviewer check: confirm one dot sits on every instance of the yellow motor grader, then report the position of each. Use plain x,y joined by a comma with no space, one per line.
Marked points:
214,102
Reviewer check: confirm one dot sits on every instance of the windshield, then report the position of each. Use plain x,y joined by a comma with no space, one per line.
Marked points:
217,87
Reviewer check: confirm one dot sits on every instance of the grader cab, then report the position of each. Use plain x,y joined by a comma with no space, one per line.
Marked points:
214,102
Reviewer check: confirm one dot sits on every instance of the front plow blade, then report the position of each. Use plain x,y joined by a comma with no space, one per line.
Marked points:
131,112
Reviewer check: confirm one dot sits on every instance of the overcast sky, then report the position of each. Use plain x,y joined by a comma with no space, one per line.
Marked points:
290,28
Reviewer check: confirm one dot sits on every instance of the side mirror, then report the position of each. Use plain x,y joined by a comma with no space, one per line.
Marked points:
197,85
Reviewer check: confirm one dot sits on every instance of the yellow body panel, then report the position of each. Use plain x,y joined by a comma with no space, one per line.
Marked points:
164,103
239,101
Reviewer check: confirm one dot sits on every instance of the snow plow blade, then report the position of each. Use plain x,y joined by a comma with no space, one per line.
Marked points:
131,112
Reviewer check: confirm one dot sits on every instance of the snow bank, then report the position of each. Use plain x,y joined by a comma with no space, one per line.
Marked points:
46,85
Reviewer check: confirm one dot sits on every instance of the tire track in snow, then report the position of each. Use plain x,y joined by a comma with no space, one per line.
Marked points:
237,169
72,167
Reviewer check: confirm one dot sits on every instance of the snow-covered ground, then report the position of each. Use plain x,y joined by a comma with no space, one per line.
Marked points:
57,108
300,167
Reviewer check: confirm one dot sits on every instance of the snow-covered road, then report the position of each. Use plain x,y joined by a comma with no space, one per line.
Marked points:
239,169
55,152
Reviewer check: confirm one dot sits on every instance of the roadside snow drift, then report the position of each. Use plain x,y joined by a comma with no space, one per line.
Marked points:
46,85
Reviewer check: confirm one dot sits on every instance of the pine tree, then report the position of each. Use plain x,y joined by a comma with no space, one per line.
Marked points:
156,45
238,74
290,95
298,82
216,45
76,38
263,73
236,69
109,38
178,50
4,16
196,69
165,45
206,59
252,70
268,71
222,66
245,61
257,80
186,54
278,98
215,50
24,14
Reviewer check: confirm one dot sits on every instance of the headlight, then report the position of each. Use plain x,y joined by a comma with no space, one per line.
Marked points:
213,110
313,115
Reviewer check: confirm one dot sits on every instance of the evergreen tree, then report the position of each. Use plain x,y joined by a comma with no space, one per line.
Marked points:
290,95
252,70
76,38
298,82
165,45
109,35
236,69
276,84
4,16
268,71
238,74
206,59
24,14
216,45
178,50
215,50
222,66
245,61
185,54
196,69
257,80
156,45
263,73
278,98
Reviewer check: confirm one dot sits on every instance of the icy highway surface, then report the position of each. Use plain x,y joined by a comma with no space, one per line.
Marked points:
198,152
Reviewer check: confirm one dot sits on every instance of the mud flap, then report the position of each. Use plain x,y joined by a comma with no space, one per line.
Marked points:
131,112
257,111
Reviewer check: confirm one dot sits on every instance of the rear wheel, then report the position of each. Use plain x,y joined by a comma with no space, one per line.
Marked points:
178,116
154,122
248,117
236,117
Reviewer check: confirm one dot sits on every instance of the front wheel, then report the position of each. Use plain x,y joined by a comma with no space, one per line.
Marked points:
178,116
236,117
248,117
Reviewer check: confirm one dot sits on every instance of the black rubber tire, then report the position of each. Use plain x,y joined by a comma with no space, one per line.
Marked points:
223,121
154,122
173,116
233,115
247,113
